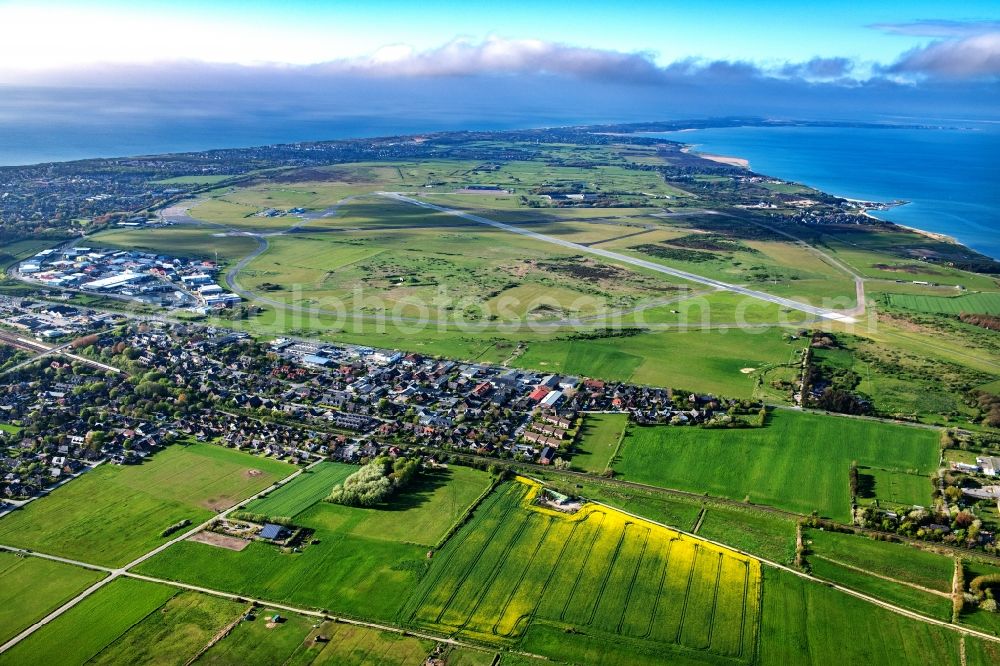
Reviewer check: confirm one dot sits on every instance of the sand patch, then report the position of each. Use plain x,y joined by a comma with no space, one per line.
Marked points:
253,473
220,540
747,371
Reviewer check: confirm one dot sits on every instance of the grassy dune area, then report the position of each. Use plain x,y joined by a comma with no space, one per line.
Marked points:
113,514
798,461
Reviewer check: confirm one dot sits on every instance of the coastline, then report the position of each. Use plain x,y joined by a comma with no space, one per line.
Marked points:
741,162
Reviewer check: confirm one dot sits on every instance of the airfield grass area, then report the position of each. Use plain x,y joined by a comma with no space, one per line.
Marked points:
982,303
598,438
630,584
31,587
366,559
189,242
798,461
113,514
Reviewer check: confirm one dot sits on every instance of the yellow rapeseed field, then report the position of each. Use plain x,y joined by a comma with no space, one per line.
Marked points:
597,570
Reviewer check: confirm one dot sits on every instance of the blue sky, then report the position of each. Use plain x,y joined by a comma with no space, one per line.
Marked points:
638,59
53,34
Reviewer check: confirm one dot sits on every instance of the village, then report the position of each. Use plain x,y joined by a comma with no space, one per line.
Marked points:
288,399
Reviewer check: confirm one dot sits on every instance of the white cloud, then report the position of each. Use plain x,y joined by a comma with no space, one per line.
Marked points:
967,57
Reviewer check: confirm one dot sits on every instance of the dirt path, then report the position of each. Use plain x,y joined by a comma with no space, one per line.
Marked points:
928,590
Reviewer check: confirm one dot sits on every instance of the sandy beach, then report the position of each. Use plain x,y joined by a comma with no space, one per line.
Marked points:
723,159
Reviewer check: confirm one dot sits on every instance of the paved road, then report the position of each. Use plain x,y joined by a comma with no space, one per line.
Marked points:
45,350
633,261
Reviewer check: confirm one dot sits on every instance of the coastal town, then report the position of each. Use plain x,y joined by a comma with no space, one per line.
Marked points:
113,390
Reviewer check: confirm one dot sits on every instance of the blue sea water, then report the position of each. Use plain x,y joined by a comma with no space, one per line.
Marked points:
949,176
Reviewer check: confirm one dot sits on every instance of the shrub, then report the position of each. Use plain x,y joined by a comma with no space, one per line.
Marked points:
375,482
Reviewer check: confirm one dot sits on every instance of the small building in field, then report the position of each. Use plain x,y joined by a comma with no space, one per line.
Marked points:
272,532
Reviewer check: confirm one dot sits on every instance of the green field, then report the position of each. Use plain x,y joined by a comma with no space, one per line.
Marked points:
312,486
599,437
31,587
898,488
799,461
808,623
515,571
365,562
201,243
926,603
94,623
292,641
112,514
175,633
981,303
894,560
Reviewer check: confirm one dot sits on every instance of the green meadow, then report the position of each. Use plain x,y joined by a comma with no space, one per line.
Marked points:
112,514
31,587
798,461
364,562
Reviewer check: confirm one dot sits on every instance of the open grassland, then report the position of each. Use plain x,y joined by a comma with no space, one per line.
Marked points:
864,564
112,514
981,303
751,530
599,437
408,260
351,645
198,242
258,640
798,461
31,587
713,360
312,486
932,605
174,633
85,630
625,582
365,562
899,489
804,622
420,515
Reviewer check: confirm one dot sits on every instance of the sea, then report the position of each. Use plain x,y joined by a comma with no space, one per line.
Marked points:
950,178
947,176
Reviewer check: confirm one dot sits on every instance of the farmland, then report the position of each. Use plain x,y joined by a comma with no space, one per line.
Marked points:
30,587
366,559
94,623
599,572
312,486
294,641
599,437
113,514
798,461
806,623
